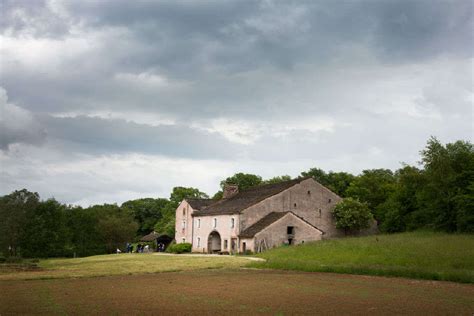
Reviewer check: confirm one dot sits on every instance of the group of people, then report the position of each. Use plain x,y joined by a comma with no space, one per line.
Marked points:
141,248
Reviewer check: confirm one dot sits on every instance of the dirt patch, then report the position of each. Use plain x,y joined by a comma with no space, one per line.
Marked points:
236,292
18,267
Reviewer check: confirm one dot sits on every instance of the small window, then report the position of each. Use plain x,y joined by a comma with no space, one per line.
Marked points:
225,244
184,212
309,192
214,223
199,223
329,201
294,205
184,240
290,230
319,211
199,242
183,224
232,223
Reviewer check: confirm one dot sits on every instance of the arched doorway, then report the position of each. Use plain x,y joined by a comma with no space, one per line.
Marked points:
214,242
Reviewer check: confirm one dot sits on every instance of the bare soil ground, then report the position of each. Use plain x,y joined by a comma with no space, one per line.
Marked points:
236,292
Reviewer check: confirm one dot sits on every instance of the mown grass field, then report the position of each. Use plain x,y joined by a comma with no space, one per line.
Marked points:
421,255
122,264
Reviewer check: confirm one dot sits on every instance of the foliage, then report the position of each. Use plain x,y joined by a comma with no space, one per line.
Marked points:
338,182
277,179
243,180
351,215
449,172
179,248
424,255
146,212
15,211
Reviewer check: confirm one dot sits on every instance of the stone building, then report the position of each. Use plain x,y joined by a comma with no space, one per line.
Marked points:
262,217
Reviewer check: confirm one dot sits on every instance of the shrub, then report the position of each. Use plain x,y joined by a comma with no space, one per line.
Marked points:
350,214
179,248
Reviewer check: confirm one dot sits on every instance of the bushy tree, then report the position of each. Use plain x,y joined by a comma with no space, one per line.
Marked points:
338,182
372,187
352,215
16,210
449,172
147,212
243,180
277,179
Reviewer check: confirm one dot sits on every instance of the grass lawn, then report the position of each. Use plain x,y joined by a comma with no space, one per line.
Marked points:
423,255
123,264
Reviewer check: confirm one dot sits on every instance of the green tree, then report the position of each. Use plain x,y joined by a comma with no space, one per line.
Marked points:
46,234
243,180
180,193
277,179
147,212
449,172
15,213
373,187
400,211
338,182
352,215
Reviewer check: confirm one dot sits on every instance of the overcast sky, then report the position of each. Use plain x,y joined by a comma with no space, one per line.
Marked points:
106,101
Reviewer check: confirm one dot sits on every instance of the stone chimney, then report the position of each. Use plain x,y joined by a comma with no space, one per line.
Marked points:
230,190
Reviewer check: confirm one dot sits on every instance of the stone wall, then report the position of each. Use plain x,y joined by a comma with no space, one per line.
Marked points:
204,225
308,199
276,234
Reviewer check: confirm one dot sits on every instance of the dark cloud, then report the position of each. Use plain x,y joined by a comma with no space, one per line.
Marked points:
255,85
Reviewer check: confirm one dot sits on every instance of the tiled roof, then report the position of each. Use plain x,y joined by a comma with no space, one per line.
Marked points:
198,204
246,198
261,224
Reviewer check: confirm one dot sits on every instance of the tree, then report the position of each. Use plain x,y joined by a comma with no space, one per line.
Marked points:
277,179
147,212
243,180
350,215
373,187
400,211
449,172
180,193
338,182
46,234
15,212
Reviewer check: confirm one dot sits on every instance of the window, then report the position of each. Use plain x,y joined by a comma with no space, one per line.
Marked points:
319,211
225,244
329,201
184,240
244,247
232,222
290,230
294,205
184,212
183,224
198,223
214,222
309,192
199,242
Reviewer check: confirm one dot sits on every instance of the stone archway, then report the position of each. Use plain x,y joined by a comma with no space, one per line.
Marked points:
214,242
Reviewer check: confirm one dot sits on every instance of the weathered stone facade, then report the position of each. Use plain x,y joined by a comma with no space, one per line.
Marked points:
260,218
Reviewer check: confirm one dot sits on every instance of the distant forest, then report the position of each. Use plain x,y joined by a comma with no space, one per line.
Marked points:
436,195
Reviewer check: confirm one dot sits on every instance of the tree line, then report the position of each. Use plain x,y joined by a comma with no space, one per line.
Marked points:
437,195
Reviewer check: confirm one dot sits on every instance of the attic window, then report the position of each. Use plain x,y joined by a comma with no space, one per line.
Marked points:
290,230
309,192
294,205
329,201
184,211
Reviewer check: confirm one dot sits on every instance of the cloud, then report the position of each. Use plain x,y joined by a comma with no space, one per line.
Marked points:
270,87
17,125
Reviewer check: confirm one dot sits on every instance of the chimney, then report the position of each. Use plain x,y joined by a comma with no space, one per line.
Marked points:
230,190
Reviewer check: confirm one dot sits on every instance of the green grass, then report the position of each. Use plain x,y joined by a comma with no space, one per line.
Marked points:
123,264
421,255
